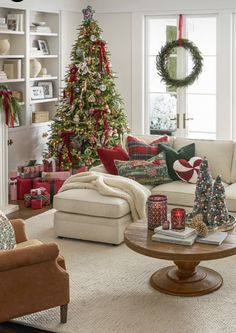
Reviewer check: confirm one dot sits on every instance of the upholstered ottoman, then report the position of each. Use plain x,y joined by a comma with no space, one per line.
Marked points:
88,215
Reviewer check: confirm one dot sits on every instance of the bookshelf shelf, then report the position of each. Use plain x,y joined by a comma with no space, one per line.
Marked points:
48,34
11,32
12,56
46,100
45,56
48,78
12,80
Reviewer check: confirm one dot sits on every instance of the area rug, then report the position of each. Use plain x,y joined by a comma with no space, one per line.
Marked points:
110,292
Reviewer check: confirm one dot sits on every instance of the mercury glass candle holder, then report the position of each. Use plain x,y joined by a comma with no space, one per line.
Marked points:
156,210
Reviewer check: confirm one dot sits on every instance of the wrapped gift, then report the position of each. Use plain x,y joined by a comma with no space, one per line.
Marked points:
46,199
37,202
24,185
30,171
13,189
63,175
50,165
52,186
27,200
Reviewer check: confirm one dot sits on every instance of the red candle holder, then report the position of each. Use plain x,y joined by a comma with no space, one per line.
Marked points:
157,210
178,218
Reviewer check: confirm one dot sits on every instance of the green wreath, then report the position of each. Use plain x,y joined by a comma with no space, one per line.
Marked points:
162,63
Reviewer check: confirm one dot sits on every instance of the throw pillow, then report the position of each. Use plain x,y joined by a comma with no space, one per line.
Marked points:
107,157
172,155
151,172
140,150
7,234
188,170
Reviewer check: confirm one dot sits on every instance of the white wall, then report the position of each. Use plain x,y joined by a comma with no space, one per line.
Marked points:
117,33
71,5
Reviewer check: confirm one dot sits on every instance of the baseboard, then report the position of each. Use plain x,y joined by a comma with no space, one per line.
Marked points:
8,209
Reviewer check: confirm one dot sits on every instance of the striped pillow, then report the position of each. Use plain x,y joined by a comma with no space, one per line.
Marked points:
140,150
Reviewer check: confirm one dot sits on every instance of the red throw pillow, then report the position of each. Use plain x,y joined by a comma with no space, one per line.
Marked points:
140,150
187,170
107,157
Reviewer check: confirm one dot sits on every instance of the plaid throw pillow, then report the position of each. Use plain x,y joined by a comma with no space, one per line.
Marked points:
140,150
151,172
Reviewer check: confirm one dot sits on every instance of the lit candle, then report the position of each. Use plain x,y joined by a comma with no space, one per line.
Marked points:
178,218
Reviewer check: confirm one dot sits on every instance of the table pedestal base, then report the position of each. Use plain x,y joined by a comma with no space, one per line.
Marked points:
186,279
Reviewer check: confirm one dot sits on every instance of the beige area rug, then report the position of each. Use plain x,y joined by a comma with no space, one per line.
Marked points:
110,292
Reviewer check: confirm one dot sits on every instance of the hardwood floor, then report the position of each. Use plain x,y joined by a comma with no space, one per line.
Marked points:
24,213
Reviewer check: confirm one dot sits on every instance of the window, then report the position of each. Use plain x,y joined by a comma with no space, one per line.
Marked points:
194,106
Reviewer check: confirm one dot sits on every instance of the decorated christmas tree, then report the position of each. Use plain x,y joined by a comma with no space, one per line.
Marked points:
218,213
203,191
90,113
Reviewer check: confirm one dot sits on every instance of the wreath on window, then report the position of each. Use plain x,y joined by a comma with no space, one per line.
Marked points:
162,63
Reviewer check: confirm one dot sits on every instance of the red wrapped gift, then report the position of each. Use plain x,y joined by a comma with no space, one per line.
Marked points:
24,185
52,186
27,200
37,203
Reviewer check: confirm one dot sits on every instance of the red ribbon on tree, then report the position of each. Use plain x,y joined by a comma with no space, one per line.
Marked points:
6,94
102,55
106,135
66,137
180,29
98,113
72,79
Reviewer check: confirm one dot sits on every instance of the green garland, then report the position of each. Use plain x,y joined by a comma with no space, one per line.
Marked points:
162,63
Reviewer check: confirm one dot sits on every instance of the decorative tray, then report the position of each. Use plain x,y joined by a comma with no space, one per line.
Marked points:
224,227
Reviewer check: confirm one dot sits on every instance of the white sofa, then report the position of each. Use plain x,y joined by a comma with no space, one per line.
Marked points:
85,214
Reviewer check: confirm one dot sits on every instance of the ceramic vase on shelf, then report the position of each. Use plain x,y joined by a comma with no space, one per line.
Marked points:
4,46
35,67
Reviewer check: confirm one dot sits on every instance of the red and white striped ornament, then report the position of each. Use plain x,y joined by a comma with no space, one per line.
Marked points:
187,170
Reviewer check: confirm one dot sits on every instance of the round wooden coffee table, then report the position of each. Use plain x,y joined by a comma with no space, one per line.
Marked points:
185,278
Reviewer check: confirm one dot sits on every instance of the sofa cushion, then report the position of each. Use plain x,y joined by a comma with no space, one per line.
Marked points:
140,150
218,152
107,157
172,155
233,169
90,202
27,243
187,171
151,172
180,193
230,193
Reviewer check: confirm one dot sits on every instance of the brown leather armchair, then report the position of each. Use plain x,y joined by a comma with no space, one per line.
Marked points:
32,277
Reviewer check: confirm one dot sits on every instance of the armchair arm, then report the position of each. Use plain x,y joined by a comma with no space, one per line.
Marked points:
19,228
29,255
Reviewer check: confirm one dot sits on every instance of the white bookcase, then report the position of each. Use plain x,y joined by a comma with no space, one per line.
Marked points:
29,134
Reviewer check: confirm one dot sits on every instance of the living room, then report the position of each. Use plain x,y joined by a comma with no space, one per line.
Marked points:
117,118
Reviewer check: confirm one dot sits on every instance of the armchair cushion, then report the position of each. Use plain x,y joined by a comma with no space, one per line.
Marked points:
7,234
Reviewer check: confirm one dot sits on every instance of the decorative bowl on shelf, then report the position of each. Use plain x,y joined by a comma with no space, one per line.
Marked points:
38,24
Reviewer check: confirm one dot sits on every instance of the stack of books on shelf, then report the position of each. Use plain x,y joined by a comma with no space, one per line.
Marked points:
15,22
12,68
186,236
41,29
3,76
34,51
3,24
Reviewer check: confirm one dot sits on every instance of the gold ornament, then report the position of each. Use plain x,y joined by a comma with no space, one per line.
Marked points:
91,99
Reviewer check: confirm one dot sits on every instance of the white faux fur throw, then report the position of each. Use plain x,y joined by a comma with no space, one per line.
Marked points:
110,185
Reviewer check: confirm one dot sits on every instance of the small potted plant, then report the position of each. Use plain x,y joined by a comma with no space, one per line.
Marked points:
9,104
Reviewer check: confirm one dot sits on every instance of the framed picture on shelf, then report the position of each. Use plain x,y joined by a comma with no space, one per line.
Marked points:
47,88
36,92
43,46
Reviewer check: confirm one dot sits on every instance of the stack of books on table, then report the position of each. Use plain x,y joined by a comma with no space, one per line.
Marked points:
185,236
3,24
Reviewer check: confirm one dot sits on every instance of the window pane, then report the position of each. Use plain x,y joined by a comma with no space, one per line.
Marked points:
154,80
158,33
162,109
206,82
199,27
202,108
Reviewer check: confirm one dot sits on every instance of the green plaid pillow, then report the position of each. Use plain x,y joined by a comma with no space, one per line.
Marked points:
150,172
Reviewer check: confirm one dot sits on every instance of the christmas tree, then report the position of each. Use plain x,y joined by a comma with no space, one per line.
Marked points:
218,213
90,113
203,191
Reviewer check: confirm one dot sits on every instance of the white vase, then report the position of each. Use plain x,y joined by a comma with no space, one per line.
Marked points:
4,46
35,67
